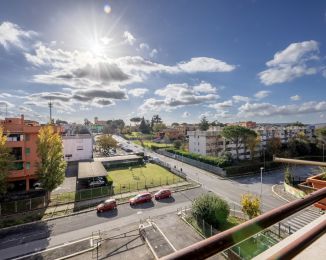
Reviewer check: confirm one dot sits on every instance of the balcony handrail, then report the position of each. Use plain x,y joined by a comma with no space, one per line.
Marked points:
230,237
296,161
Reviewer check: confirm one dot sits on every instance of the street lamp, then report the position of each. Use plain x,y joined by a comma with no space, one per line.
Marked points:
261,181
323,152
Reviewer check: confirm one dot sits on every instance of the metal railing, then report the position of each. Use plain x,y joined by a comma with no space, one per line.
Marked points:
230,237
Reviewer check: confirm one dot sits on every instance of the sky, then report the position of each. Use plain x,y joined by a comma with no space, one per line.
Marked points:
227,60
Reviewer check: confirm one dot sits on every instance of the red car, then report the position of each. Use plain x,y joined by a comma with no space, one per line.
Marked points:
162,194
141,198
107,205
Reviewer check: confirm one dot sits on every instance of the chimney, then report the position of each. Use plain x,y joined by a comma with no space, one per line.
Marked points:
22,119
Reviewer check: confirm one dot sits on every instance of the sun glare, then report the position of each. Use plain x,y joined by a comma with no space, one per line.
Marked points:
96,48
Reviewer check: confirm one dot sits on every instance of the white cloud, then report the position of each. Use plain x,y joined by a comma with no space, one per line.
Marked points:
222,105
262,94
153,53
12,34
205,87
205,64
106,40
138,92
185,114
295,98
129,38
7,104
291,63
267,109
144,46
238,99
205,114
175,96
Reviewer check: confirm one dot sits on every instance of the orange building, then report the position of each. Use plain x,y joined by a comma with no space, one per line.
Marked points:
22,138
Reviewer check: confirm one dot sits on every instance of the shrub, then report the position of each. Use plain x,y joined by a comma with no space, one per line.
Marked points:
288,176
247,168
250,205
216,161
109,179
211,208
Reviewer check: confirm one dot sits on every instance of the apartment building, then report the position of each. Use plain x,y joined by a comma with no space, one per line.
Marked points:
22,139
77,147
212,143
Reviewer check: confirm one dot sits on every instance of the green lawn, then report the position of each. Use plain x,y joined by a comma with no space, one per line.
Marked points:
149,144
141,177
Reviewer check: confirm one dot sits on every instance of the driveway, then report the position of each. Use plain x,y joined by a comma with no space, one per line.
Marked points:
69,183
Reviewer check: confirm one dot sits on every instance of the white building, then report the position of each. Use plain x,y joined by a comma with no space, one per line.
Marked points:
77,147
212,143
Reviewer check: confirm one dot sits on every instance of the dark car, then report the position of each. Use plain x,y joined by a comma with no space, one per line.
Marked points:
141,198
96,182
162,194
109,204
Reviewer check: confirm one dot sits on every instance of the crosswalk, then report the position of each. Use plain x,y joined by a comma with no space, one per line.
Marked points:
301,219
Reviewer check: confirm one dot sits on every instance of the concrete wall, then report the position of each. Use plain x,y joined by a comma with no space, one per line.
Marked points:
77,148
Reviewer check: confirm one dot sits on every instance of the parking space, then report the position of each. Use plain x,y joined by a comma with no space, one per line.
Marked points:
69,183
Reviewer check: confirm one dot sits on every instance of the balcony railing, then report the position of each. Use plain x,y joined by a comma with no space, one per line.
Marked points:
228,238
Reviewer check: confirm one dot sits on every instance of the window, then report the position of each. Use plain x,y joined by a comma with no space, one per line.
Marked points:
28,165
79,148
27,151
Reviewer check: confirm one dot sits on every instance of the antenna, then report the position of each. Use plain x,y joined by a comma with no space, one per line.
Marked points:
50,107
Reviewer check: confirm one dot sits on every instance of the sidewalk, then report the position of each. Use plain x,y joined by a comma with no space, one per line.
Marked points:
279,190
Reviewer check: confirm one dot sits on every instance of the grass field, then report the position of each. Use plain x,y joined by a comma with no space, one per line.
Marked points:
141,177
149,144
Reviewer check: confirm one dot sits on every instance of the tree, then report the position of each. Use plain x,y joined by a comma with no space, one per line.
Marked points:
159,127
235,134
6,162
51,166
177,144
174,124
211,208
203,125
274,145
252,143
144,127
321,137
135,120
288,176
250,205
106,142
249,139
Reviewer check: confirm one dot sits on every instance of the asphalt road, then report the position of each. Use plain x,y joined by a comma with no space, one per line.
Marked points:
28,233
231,189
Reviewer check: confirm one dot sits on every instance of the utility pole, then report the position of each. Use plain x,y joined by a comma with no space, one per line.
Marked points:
50,107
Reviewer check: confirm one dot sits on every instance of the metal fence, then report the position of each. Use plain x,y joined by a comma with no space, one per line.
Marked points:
204,166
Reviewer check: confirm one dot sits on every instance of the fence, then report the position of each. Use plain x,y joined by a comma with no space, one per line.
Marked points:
18,206
201,165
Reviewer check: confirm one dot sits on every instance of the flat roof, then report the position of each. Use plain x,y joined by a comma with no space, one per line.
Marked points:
118,158
91,169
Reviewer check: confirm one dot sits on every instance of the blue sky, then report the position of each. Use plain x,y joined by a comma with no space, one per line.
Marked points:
228,60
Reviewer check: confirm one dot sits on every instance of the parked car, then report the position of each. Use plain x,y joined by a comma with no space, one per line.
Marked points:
109,204
141,198
96,182
162,194
37,186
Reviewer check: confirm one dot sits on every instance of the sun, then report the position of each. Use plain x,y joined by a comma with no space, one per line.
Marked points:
96,48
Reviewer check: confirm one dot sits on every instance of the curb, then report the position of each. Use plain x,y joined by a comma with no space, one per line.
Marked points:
80,212
278,195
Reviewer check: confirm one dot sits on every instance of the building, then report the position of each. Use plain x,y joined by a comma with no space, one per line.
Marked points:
22,139
212,143
77,147
248,124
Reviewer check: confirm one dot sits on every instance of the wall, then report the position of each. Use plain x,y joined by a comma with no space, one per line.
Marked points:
80,148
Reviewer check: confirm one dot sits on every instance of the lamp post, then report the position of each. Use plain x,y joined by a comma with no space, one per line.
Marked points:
261,181
323,152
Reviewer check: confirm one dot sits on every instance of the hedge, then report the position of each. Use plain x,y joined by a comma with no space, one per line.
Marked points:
216,161
248,168
109,179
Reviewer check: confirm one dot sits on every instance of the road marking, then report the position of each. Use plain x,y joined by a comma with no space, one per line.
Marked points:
278,194
139,212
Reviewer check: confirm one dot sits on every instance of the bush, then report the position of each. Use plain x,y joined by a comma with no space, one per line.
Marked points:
109,179
212,209
216,161
252,167
250,205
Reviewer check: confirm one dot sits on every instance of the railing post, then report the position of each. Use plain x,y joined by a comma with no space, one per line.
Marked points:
15,206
